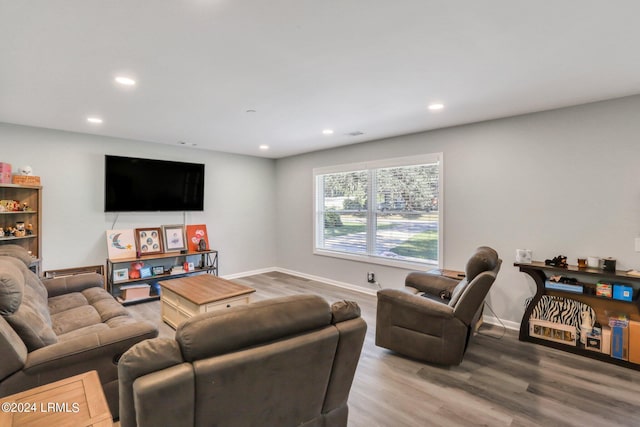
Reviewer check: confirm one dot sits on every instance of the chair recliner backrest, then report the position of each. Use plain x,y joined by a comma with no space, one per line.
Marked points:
481,271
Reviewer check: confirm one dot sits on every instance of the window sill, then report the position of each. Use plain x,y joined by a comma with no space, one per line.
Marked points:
370,259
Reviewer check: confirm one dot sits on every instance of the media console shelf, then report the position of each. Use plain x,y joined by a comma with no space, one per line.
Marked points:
204,262
601,305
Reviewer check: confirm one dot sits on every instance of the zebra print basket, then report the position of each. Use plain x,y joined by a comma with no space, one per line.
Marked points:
561,310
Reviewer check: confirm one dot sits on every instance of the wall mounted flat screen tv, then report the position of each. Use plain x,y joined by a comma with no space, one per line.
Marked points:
147,185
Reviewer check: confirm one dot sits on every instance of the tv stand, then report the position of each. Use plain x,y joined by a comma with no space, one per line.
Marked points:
203,261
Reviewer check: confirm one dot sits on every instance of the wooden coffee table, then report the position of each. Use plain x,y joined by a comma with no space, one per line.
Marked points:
73,401
187,296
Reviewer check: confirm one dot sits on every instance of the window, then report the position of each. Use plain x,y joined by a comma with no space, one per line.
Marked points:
386,212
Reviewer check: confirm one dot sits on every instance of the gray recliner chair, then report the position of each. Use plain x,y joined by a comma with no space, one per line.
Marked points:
432,318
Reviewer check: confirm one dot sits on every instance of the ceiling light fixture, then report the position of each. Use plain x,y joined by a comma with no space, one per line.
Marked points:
264,147
327,132
94,120
435,107
125,81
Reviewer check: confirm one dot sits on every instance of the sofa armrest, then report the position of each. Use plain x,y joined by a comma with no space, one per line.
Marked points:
76,283
430,283
100,351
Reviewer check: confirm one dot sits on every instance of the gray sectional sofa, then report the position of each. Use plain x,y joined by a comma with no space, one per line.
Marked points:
56,328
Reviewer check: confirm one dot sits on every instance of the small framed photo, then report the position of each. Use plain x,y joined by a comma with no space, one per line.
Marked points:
157,270
120,275
174,240
121,244
149,241
145,272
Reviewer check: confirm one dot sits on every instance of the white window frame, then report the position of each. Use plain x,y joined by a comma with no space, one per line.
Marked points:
371,230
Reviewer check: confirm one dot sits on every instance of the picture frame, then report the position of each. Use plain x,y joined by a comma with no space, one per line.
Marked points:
194,234
174,238
145,272
121,244
149,240
120,275
157,270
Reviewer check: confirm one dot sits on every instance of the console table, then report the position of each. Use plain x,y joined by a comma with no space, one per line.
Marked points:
587,277
204,262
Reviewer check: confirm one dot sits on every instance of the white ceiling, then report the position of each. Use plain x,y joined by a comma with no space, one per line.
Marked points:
305,65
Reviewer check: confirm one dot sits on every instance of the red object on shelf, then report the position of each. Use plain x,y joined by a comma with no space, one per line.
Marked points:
194,234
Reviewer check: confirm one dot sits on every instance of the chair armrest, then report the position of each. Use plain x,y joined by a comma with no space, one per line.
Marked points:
142,359
76,283
415,303
430,283
100,351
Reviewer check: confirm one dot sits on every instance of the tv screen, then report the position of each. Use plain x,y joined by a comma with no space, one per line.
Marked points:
147,185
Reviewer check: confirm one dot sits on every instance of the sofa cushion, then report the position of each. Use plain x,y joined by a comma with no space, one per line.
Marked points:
31,328
109,309
31,280
11,286
17,252
344,310
73,319
14,352
39,305
95,294
92,329
250,325
66,302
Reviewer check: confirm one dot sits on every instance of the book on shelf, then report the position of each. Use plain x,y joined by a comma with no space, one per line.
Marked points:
567,287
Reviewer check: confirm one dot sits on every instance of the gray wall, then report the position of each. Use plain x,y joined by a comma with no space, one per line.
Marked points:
559,182
239,206
563,181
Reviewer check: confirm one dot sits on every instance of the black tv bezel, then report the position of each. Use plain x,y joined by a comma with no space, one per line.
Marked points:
159,162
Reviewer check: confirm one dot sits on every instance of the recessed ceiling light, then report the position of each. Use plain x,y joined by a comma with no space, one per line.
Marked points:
94,120
264,147
126,81
250,111
434,107
327,132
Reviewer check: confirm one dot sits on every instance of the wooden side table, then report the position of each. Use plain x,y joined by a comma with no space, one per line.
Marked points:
73,401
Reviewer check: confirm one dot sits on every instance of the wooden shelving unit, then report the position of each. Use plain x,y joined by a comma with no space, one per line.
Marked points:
601,305
204,262
32,195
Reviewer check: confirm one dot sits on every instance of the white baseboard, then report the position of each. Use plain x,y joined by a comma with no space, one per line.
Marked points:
303,275
328,281
249,273
509,324
492,320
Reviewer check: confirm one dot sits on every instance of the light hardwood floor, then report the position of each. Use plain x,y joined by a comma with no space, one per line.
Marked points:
501,382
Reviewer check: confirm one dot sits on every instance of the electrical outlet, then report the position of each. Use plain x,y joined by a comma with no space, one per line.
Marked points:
371,278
